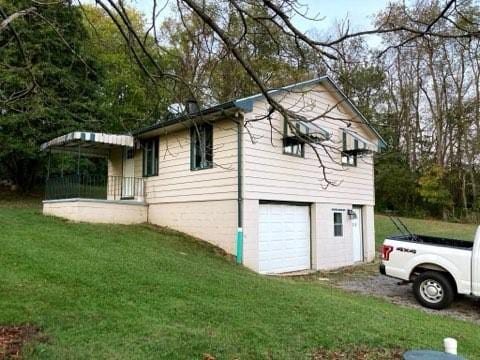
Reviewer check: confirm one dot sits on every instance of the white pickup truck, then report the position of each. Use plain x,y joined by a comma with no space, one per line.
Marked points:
439,268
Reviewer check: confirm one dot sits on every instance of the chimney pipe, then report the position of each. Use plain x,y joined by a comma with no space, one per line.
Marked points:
191,106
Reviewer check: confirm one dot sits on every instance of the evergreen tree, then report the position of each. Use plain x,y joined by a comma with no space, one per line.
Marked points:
48,85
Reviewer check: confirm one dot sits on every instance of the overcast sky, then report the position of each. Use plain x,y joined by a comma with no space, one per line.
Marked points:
358,11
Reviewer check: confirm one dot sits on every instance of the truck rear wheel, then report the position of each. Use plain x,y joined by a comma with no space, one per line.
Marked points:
433,290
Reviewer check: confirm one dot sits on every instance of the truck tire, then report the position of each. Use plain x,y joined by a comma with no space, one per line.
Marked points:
433,290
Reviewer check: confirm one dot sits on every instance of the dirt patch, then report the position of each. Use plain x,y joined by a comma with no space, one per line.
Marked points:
359,353
12,338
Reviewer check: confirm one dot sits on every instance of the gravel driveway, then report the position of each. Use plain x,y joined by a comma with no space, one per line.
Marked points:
463,307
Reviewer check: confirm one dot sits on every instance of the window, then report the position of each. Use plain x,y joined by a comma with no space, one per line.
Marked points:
349,159
292,146
201,137
150,157
337,224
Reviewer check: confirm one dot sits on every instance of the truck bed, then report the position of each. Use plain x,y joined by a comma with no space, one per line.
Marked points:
436,241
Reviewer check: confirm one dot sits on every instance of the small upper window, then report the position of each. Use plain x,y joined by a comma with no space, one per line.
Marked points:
292,146
201,137
150,157
337,224
348,159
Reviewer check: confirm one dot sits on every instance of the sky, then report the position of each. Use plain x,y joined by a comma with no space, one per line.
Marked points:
358,11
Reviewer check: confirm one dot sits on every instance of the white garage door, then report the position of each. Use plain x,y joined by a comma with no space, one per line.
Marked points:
284,238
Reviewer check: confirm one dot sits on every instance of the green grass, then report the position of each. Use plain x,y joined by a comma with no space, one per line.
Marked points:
384,227
134,292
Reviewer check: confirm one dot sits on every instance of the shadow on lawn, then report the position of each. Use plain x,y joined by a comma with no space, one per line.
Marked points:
16,199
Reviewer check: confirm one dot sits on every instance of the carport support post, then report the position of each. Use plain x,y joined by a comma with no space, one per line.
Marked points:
47,192
78,161
78,173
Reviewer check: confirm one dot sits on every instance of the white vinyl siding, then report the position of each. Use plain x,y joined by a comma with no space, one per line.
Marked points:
177,183
270,175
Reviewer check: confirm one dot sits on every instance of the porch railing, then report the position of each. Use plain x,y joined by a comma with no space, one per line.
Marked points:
94,187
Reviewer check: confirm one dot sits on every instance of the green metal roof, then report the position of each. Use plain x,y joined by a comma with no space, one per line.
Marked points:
184,117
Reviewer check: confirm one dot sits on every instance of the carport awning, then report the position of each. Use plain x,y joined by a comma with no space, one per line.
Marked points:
91,143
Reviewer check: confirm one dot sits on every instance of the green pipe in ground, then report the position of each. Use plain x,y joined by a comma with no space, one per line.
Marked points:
239,195
239,245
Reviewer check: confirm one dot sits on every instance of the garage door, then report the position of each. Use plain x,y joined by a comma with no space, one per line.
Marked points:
284,238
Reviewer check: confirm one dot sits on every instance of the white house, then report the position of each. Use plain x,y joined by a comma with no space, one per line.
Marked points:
255,191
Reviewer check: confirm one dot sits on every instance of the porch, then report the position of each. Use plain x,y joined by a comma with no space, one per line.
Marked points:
116,196
99,187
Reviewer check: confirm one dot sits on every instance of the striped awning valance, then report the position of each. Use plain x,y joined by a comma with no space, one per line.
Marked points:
88,142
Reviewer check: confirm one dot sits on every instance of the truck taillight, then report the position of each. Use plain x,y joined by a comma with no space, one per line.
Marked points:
386,250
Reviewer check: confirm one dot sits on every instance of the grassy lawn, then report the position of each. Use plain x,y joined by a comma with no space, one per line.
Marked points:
134,292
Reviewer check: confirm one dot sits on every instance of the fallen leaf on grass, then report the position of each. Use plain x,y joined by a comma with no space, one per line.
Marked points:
12,338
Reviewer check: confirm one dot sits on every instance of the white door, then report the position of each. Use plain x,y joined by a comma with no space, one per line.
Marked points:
128,180
284,238
357,234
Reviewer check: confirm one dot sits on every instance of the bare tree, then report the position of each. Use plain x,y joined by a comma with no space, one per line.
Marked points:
274,20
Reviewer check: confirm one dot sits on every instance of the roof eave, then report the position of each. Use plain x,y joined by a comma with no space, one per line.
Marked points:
179,119
246,105
382,144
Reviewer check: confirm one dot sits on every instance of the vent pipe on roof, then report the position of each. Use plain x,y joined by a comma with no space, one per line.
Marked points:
191,106
176,108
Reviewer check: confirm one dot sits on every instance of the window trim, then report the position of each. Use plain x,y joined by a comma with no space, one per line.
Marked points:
156,162
336,224
193,135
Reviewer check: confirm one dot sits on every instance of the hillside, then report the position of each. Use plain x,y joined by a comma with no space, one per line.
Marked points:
136,292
